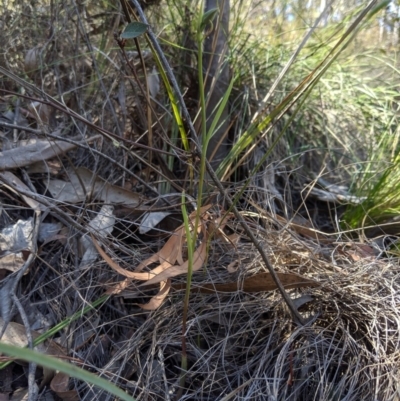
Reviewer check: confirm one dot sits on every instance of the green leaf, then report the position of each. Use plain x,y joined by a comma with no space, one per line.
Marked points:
208,17
63,324
28,355
378,7
220,110
133,30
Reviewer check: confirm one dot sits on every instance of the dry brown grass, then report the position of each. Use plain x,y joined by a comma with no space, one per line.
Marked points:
241,346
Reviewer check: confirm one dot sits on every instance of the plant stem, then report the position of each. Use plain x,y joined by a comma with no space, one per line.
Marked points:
190,247
192,235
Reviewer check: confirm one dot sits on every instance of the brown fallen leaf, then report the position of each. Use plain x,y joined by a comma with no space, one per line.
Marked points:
83,182
156,301
19,187
233,266
257,283
169,252
167,257
12,262
21,394
308,232
199,258
357,251
35,151
15,334
59,385
115,266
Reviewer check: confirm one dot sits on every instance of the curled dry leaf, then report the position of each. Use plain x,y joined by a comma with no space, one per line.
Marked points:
358,252
118,288
166,257
157,300
199,258
170,251
115,266
233,266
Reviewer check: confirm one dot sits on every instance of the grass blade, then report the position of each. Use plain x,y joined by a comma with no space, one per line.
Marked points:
55,364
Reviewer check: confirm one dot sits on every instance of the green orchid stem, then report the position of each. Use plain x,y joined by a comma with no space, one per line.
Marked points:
191,235
204,137
190,246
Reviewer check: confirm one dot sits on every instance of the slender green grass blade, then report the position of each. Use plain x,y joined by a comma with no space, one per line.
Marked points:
49,333
220,109
55,364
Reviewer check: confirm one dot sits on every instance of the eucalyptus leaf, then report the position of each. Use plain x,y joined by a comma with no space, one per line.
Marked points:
208,18
133,30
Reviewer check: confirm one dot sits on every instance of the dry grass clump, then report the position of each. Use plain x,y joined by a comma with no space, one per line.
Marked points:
241,345
245,345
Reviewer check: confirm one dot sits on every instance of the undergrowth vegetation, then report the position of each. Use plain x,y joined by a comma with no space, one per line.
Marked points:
199,206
